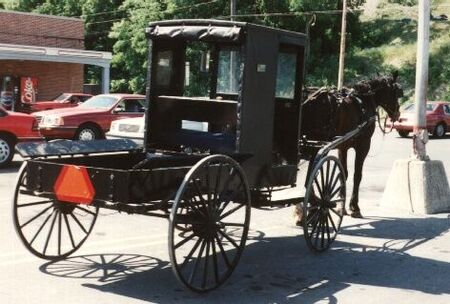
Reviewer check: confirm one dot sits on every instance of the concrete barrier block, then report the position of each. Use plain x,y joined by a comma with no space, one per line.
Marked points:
418,187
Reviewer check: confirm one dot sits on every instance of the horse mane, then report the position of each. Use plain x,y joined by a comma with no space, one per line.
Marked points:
365,86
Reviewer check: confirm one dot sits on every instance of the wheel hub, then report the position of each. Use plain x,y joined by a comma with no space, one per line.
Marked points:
4,150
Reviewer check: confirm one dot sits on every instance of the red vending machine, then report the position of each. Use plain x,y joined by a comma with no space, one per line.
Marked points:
28,90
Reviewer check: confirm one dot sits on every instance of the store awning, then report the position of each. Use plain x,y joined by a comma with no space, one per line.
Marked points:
39,53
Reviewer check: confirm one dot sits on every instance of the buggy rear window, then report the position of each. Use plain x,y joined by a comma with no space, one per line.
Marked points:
286,72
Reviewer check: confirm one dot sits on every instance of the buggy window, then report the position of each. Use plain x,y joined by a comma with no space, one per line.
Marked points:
229,71
196,78
286,70
164,68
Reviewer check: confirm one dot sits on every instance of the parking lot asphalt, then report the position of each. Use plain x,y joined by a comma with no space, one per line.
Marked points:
387,257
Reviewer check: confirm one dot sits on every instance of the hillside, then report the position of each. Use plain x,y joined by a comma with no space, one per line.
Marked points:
389,40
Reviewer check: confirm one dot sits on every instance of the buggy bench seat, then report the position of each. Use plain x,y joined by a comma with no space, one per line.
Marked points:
221,116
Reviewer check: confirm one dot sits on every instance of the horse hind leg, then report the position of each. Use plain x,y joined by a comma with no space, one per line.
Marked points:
342,154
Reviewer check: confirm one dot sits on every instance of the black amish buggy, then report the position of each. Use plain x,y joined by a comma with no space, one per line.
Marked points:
242,83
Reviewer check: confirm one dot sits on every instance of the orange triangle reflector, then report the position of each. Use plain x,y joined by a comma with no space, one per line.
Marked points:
73,185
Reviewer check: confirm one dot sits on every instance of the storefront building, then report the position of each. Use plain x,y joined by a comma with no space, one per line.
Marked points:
42,56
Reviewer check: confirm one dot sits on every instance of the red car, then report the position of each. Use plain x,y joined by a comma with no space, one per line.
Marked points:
91,119
65,100
15,127
437,117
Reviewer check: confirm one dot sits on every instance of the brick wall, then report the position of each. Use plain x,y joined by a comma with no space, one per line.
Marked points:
53,78
41,30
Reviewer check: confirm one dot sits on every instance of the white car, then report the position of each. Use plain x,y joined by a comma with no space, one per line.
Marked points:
134,128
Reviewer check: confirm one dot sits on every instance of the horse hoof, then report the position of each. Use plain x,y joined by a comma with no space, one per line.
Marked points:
299,223
344,212
356,214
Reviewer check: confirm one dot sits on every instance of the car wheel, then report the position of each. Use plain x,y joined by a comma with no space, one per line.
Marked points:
87,133
403,133
6,151
439,130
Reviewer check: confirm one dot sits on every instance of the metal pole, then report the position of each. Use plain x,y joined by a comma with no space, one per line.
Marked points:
423,34
342,48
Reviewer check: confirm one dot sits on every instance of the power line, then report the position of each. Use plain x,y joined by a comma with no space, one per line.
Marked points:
293,14
142,7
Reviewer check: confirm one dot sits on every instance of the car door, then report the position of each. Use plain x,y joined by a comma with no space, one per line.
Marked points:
447,116
129,108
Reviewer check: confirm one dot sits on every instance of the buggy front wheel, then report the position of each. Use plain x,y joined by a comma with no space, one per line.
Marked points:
323,208
50,229
209,223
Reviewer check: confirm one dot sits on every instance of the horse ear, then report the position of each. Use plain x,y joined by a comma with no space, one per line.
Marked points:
395,75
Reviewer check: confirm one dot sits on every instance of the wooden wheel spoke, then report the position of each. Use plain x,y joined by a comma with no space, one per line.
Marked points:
189,255
50,231
85,210
332,222
59,232
216,188
327,175
205,269
36,216
230,198
222,251
332,175
184,241
327,225
41,227
333,194
313,217
233,224
35,203
322,180
216,267
79,223
335,212
197,262
318,188
225,235
69,230
333,186
222,216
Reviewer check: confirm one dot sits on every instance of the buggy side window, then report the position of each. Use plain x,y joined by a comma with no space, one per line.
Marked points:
164,68
229,71
286,72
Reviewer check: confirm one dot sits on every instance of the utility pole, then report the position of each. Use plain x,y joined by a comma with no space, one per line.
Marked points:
423,35
232,9
232,55
342,48
418,184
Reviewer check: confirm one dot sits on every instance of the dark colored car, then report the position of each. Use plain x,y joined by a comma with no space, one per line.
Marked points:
92,119
65,100
437,117
14,128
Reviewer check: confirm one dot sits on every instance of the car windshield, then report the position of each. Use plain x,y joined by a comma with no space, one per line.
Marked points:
99,102
430,107
61,97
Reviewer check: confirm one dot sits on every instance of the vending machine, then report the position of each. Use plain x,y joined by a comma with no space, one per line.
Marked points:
16,93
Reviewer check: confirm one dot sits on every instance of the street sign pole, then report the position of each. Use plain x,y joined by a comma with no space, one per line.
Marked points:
420,137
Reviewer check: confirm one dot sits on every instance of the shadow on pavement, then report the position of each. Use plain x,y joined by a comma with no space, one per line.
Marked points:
282,269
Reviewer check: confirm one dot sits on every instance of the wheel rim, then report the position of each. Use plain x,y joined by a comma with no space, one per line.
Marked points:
440,130
86,134
324,204
48,228
209,223
5,150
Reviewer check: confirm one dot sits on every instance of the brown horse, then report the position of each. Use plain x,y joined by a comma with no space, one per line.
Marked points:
330,113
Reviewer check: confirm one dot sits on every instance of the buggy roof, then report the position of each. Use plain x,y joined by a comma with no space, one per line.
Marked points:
216,31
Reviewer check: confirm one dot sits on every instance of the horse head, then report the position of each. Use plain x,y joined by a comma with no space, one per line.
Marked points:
385,91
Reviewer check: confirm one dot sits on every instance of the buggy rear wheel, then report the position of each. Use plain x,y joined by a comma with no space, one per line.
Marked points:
323,208
48,228
209,223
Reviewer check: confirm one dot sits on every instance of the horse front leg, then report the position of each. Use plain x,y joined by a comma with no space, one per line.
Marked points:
361,154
